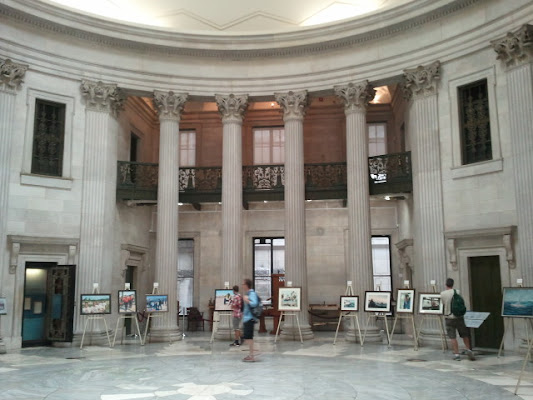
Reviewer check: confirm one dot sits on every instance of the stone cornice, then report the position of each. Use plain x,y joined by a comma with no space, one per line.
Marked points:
232,107
294,104
11,75
169,105
355,96
103,97
422,80
516,47
302,42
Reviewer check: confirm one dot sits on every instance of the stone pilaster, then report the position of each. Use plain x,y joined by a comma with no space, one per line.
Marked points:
429,245
169,106
515,50
11,77
356,98
294,105
103,101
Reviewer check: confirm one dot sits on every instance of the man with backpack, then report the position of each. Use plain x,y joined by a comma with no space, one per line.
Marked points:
454,311
250,301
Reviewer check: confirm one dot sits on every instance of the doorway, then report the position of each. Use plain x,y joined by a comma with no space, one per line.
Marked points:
486,291
48,308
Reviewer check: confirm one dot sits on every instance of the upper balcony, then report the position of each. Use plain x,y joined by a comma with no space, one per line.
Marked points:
388,174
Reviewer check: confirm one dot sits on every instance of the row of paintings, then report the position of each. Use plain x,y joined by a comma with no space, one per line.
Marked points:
289,299
429,303
127,303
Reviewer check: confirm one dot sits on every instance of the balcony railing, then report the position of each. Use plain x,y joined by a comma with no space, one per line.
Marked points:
389,174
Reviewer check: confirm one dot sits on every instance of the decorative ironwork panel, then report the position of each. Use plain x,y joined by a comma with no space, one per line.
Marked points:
139,175
390,168
48,138
264,177
325,176
475,122
206,180
60,294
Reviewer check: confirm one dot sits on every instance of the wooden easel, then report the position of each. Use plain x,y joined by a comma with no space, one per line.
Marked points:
349,314
92,318
217,318
378,315
295,315
408,316
123,317
519,284
526,358
441,324
143,341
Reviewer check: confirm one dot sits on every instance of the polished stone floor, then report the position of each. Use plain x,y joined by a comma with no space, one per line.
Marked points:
195,369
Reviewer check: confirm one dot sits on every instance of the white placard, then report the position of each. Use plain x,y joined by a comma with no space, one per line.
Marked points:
289,283
519,281
226,285
156,284
127,286
406,284
474,319
432,282
95,285
348,283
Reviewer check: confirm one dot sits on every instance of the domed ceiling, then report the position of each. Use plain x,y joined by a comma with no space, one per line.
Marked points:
229,16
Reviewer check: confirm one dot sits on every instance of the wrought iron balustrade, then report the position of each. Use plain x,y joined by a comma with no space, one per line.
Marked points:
390,173
263,177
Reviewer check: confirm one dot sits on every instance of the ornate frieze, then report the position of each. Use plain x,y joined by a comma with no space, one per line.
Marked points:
294,104
355,96
232,107
101,96
516,47
169,105
421,81
11,74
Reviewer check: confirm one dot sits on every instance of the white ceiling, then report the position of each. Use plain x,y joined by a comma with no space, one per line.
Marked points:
229,16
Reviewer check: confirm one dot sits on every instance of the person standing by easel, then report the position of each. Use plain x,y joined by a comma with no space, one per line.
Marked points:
237,306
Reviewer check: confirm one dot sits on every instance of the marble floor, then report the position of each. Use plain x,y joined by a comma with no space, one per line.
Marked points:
195,369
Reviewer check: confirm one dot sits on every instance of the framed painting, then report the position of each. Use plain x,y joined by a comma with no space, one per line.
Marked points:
406,301
91,304
430,303
377,302
127,301
3,306
156,303
517,302
290,299
223,299
349,303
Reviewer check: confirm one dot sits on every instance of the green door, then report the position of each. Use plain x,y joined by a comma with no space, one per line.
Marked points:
486,292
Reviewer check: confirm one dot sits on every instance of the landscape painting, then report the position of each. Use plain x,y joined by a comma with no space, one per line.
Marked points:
377,302
517,302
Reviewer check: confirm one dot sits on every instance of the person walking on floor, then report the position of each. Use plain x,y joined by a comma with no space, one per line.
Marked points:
250,301
455,324
237,308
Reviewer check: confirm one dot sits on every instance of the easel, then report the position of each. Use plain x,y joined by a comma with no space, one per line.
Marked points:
348,314
155,290
518,284
94,317
123,317
291,314
526,359
217,317
408,316
378,315
441,323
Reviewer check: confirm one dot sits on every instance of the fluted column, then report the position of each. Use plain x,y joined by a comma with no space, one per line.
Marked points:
11,77
169,106
102,103
294,105
516,52
232,109
429,244
356,98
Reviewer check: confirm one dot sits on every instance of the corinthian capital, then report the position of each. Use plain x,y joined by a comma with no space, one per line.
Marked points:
11,74
232,107
516,47
355,96
101,96
294,104
169,105
422,80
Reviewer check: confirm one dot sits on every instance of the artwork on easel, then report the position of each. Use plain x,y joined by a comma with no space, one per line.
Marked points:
127,301
3,306
94,303
223,299
517,302
349,303
430,303
290,299
156,303
378,302
406,301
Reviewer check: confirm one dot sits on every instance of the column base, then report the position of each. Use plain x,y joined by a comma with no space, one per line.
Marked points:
159,335
292,332
2,346
96,338
373,334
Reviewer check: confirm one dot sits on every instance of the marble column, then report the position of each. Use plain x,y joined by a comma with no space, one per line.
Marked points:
294,105
420,86
232,109
169,106
11,77
515,51
96,259
356,98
